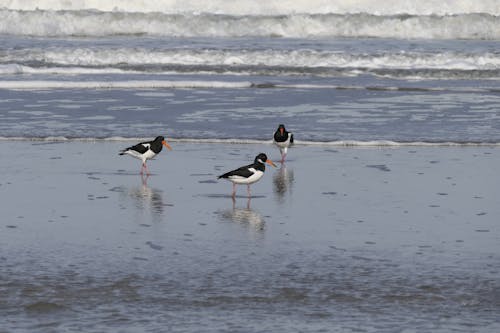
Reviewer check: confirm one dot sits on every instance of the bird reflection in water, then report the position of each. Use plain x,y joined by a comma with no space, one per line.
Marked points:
147,199
283,182
246,216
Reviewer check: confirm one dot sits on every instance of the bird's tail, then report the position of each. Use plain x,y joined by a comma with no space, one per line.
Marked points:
223,176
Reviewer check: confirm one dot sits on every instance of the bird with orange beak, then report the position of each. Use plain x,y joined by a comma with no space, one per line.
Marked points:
283,140
146,150
248,174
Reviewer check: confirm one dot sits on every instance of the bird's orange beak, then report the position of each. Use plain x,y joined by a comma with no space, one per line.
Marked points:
281,131
166,144
271,163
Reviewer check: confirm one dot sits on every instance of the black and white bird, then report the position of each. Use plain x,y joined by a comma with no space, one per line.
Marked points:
146,151
283,140
248,174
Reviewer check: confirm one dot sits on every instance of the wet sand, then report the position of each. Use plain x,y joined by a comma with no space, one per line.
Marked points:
335,235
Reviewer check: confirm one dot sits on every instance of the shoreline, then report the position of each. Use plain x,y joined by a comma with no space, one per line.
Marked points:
235,141
340,232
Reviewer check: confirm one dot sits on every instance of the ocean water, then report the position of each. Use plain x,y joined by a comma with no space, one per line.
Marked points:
342,73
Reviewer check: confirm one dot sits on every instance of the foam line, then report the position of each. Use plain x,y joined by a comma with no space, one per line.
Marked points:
482,25
160,84
268,7
45,84
339,143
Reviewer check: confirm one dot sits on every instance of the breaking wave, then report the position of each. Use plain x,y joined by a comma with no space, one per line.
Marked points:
268,7
94,23
72,60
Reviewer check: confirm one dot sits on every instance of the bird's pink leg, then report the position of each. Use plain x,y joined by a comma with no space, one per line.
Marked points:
144,180
142,169
147,170
248,190
234,190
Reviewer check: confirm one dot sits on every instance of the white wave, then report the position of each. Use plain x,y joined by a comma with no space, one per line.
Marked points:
395,144
155,84
265,7
339,143
295,25
129,60
7,69
146,84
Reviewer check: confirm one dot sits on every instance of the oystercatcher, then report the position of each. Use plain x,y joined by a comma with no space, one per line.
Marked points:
248,174
283,140
146,150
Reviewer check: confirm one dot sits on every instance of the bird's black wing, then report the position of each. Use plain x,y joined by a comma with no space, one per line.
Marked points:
140,148
291,138
244,171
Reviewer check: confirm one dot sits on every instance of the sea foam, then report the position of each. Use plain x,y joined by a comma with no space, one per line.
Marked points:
268,7
140,84
484,24
129,60
236,141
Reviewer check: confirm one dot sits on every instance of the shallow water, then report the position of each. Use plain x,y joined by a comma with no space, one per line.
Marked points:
396,239
324,88
243,114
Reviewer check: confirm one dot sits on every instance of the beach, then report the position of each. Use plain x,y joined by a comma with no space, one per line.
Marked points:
384,217
337,239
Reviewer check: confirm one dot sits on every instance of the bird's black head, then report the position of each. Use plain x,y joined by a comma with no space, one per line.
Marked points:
261,158
158,143
281,129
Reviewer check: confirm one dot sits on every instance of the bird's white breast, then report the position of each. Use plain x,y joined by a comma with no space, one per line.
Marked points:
257,174
149,154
